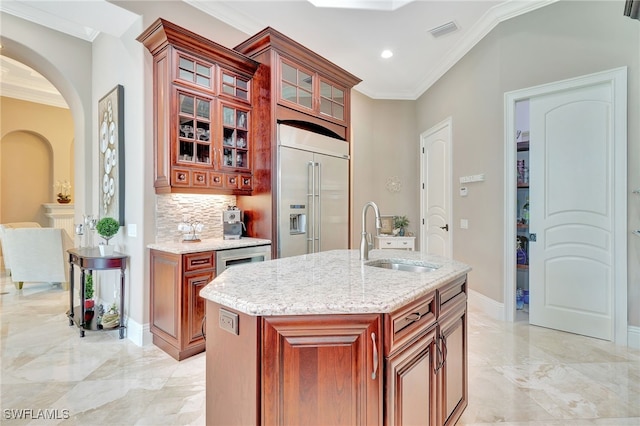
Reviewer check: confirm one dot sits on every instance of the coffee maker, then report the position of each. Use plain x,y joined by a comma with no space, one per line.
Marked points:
232,223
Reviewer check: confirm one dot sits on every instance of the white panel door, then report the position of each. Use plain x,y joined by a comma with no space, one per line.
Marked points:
436,190
571,211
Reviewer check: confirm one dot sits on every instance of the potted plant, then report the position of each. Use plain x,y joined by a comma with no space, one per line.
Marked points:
107,227
400,223
88,291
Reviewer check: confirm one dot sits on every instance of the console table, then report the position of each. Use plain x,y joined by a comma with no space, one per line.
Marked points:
89,259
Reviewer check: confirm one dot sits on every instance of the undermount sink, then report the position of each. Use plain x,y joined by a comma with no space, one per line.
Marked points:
401,265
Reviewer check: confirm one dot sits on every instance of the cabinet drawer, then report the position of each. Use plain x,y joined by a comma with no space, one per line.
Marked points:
199,179
199,261
216,180
452,294
245,182
405,324
395,243
180,177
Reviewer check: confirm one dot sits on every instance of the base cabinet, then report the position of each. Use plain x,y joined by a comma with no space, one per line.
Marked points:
411,383
177,310
322,371
453,369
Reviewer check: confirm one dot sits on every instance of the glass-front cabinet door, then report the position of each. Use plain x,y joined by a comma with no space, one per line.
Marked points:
235,136
331,100
195,71
296,85
194,129
234,85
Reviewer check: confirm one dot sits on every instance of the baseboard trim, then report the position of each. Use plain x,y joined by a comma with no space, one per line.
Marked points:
140,334
633,337
487,305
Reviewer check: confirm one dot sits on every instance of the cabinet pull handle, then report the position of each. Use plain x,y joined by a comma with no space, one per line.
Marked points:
444,351
437,366
199,261
416,316
375,356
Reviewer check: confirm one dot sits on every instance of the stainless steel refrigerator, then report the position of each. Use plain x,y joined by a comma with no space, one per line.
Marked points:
313,192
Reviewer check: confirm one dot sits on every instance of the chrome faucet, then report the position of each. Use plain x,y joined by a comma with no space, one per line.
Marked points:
365,244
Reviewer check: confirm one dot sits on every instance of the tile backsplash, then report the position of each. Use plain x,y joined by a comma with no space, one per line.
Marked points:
171,209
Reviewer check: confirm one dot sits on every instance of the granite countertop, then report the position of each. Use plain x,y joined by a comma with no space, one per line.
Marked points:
207,244
331,282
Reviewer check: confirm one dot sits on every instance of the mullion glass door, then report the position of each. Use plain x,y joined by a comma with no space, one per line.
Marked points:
194,129
235,137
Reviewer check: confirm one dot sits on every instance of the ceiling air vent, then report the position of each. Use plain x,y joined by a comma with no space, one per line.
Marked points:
443,29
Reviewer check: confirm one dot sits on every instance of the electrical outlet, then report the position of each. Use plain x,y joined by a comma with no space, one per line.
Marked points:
228,321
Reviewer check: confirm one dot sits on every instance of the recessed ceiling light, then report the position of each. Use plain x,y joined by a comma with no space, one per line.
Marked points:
386,54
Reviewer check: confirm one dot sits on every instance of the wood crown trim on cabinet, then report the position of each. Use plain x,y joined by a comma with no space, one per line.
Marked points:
163,33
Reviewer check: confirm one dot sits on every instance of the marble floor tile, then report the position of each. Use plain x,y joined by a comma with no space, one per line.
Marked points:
518,374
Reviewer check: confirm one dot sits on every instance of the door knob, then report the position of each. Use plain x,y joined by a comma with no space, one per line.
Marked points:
446,227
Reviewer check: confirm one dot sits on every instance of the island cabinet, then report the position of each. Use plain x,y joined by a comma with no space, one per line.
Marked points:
321,370
202,113
426,359
177,310
452,362
406,367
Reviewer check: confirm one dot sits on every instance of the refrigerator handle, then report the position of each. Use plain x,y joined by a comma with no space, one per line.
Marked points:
311,186
319,195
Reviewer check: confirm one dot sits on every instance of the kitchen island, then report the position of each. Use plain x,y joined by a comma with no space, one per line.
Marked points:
329,339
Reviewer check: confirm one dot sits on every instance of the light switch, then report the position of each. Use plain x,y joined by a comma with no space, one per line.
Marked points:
132,230
464,224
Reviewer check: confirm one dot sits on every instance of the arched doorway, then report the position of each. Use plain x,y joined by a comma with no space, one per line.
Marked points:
37,144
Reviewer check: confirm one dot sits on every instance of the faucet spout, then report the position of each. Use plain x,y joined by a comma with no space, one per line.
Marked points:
365,245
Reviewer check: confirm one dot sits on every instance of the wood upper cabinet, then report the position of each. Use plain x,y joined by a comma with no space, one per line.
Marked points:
202,113
322,370
298,85
177,310
303,89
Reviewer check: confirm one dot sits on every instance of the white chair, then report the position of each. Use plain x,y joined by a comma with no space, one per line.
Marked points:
36,255
12,225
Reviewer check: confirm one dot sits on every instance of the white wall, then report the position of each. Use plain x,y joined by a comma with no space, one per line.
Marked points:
384,145
119,60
